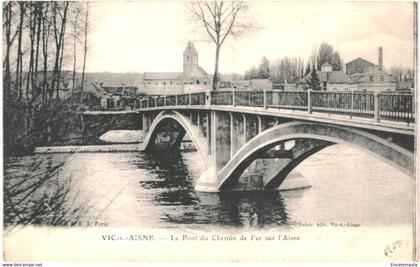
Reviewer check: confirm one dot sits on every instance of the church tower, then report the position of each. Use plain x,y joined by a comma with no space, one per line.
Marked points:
190,57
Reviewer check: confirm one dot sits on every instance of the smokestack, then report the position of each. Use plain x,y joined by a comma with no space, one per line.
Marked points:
380,62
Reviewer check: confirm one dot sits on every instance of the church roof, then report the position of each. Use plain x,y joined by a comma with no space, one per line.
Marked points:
162,75
190,48
195,72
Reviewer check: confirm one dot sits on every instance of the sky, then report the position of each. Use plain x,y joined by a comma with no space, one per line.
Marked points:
151,36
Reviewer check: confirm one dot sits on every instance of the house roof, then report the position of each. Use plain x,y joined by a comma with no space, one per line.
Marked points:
336,76
113,90
241,82
94,89
405,85
360,60
119,90
261,84
162,75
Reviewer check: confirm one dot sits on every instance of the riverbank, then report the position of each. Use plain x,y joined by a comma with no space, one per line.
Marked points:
186,146
89,149
123,136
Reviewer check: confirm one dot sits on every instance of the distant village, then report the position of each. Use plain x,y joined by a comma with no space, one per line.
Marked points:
109,90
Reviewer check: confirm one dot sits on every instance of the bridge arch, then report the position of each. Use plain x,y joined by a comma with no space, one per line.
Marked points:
186,126
323,135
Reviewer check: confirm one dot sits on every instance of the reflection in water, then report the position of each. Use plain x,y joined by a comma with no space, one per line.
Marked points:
35,194
228,208
231,208
157,190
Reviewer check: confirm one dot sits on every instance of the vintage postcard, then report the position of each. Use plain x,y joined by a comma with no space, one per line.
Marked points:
209,131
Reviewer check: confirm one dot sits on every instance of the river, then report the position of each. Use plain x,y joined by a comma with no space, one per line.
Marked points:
145,190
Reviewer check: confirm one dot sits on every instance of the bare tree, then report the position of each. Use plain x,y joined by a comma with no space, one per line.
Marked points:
287,69
34,36
85,50
7,13
32,31
75,35
400,73
59,32
45,41
219,20
18,82
39,7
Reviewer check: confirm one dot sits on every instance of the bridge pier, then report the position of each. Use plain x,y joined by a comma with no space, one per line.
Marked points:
237,133
230,133
199,124
209,132
221,139
145,122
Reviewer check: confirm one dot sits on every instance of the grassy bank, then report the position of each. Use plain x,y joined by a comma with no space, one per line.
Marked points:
27,125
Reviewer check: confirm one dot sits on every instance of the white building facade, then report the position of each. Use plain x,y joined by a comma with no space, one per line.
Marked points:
193,78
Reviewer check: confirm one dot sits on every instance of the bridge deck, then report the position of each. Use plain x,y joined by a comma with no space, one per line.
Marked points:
338,119
109,112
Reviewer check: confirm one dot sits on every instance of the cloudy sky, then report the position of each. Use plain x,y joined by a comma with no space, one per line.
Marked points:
151,36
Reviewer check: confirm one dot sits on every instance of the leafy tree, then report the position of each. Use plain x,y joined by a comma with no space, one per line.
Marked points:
264,69
326,54
314,82
307,70
252,73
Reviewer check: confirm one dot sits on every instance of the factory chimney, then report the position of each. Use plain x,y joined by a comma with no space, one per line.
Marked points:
380,58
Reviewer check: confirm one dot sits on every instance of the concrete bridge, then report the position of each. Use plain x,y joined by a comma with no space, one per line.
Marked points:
253,139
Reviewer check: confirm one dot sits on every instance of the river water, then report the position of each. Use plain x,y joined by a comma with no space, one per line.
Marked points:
145,190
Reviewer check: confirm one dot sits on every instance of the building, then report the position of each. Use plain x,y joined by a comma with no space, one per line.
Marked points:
235,83
261,84
358,65
119,96
122,91
373,79
331,80
361,75
285,86
365,76
193,78
92,95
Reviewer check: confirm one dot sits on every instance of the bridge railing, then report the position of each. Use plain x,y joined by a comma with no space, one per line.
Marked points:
350,103
390,106
160,101
170,100
183,100
143,103
198,98
396,107
221,98
287,100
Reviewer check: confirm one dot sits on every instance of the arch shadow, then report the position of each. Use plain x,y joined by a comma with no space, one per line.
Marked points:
185,127
324,135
